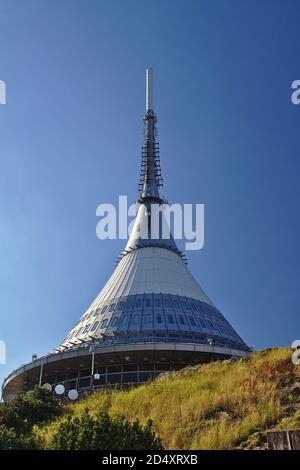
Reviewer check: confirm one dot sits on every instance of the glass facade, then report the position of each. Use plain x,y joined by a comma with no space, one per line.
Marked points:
110,376
154,316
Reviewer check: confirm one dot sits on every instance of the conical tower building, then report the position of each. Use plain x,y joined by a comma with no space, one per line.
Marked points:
150,317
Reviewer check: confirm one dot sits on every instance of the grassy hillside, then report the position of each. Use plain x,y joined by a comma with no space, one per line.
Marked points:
222,405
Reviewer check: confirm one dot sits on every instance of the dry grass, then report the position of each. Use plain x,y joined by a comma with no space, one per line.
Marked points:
212,406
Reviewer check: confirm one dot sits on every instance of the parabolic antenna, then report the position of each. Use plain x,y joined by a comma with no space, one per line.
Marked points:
73,394
59,389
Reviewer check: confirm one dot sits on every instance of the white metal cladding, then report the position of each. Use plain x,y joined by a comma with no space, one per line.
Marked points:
151,270
151,228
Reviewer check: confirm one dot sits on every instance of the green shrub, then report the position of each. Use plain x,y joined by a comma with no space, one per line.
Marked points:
18,417
27,410
103,433
10,440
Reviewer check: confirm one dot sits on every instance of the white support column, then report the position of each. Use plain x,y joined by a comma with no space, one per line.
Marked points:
92,349
41,375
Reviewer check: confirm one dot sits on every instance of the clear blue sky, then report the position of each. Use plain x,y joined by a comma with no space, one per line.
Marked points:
70,138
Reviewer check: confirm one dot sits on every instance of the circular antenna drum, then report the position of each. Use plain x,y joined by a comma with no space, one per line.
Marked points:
47,386
59,389
73,394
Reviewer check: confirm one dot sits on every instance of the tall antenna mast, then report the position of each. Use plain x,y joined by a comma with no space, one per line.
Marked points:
150,178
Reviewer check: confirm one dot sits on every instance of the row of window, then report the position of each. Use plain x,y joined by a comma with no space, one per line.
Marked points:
138,303
147,320
158,302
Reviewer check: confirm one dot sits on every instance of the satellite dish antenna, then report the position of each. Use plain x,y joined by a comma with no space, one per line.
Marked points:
73,394
47,386
59,389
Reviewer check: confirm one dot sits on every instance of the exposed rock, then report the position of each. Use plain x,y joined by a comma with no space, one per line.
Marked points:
295,389
257,441
220,414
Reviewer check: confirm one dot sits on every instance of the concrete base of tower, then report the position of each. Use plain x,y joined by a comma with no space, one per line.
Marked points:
114,365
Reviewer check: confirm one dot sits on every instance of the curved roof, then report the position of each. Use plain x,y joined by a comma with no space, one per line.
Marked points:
153,294
151,270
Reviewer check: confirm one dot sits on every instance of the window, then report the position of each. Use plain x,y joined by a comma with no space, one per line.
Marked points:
135,319
147,318
167,303
80,331
148,302
114,321
112,307
121,305
125,320
194,307
104,323
87,328
157,303
138,303
174,335
94,326
192,321
170,318
129,304
84,383
202,323
176,303
105,308
159,318
219,330
181,320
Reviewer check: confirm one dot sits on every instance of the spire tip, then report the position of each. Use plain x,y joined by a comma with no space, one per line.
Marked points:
149,88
